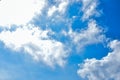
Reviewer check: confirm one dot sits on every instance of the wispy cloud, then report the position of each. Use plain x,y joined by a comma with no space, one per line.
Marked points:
91,35
89,8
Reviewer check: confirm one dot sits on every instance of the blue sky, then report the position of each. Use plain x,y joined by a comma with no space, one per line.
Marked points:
59,40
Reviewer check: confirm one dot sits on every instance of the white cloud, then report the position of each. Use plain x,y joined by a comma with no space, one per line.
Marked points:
60,8
89,8
51,10
19,12
37,43
105,69
91,35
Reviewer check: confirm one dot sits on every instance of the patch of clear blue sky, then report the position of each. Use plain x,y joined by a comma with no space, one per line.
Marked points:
110,17
22,66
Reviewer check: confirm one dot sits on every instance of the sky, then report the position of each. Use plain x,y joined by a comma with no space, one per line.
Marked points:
59,40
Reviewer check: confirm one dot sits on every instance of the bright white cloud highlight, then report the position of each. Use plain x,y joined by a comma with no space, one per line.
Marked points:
105,69
19,12
36,43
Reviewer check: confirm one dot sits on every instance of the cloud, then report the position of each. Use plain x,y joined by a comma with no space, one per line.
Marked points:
41,44
28,38
105,69
43,47
35,42
91,35
89,8
60,8
19,12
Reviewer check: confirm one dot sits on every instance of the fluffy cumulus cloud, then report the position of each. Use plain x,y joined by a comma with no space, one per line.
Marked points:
19,12
36,43
105,69
39,42
27,37
42,47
